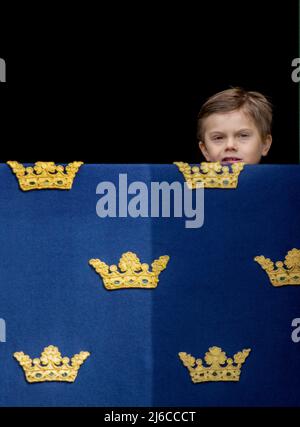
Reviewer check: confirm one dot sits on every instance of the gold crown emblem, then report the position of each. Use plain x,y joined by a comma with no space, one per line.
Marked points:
132,273
45,175
51,366
210,175
220,368
280,275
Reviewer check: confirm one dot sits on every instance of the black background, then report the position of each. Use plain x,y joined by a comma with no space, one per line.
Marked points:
125,85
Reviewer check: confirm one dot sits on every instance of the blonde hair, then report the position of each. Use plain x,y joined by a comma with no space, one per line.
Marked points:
254,104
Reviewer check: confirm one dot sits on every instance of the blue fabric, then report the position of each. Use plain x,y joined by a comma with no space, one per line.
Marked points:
212,292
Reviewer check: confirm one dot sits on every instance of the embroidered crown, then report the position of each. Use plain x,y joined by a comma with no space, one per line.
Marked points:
51,366
45,175
211,175
281,275
132,273
220,368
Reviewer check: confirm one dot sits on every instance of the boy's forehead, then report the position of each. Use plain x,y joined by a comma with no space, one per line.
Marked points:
232,120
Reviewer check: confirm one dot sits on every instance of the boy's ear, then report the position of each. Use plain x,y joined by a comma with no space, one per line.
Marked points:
267,145
204,150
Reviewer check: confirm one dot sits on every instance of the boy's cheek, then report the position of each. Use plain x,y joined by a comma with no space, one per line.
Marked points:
204,150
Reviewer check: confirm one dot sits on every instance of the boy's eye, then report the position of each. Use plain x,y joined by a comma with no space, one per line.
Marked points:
244,135
217,138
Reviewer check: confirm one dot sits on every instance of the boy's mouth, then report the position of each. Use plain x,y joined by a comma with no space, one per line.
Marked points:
231,159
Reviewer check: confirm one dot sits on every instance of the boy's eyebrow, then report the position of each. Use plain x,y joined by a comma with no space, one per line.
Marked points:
215,132
219,132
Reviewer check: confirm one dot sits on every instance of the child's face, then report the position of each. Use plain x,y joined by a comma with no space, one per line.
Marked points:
233,137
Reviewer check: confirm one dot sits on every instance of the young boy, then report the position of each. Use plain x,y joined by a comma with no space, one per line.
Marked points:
235,126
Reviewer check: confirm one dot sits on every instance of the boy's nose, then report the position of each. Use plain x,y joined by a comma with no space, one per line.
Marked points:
231,144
